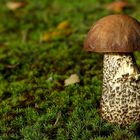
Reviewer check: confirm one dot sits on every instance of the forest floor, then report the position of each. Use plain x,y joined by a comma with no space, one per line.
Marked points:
41,45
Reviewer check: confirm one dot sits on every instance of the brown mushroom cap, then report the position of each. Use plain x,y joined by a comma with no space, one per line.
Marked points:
114,33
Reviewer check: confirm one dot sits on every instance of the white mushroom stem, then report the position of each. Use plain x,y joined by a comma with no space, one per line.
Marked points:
120,102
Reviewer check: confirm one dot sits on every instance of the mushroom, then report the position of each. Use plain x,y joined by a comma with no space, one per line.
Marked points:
117,36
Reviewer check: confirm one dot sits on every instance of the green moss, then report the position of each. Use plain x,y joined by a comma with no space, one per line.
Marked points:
34,103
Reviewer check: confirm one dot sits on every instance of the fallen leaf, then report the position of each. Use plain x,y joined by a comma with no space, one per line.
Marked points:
60,31
2,46
15,5
46,37
74,78
49,36
118,6
56,33
63,25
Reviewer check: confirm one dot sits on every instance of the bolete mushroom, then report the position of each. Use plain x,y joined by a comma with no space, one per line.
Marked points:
117,36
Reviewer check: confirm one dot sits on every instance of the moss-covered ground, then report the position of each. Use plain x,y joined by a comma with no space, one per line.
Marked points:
35,60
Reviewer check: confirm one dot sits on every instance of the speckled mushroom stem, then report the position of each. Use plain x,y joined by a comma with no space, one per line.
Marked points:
120,101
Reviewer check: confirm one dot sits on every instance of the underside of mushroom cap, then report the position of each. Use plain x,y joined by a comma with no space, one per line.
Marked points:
114,33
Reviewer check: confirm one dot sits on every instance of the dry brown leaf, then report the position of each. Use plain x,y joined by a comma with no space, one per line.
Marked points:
50,35
56,33
2,46
74,78
63,25
62,29
11,5
118,6
46,37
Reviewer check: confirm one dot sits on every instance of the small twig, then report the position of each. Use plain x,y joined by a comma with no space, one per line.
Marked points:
24,36
57,119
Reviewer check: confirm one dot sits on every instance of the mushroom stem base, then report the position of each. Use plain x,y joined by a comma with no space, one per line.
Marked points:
120,101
